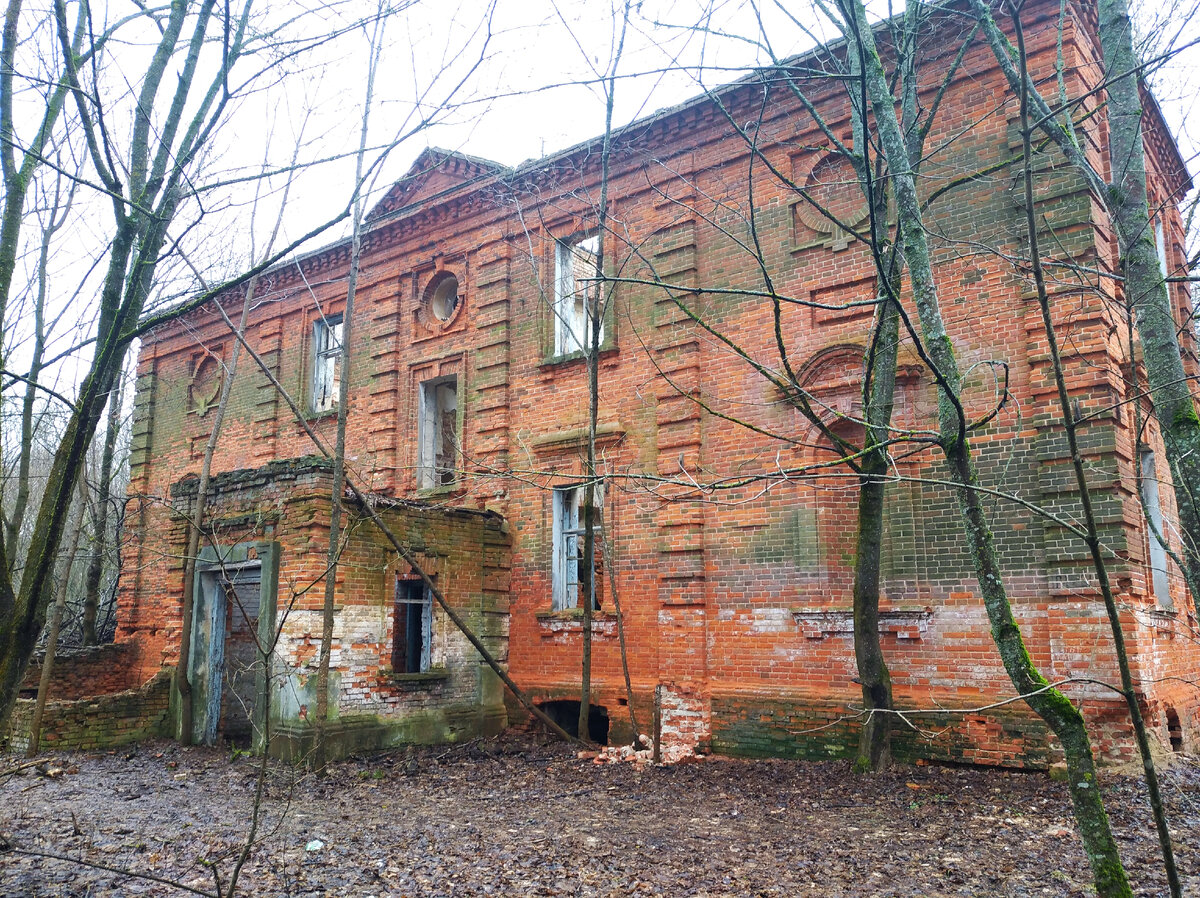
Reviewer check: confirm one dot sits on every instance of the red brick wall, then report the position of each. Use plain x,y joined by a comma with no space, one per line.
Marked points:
101,721
88,672
736,592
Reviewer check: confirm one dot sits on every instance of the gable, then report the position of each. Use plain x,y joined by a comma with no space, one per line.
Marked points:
433,173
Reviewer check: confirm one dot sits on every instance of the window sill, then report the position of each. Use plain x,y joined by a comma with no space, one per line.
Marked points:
424,678
552,362
436,492
903,622
313,416
1162,620
569,621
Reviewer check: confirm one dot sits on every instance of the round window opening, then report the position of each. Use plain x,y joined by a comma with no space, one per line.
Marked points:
444,298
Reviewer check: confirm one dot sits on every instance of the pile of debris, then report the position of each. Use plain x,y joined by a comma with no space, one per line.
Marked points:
642,753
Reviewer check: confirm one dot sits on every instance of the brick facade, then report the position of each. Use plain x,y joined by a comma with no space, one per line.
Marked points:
735,601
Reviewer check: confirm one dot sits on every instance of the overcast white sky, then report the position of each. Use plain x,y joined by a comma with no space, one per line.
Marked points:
520,103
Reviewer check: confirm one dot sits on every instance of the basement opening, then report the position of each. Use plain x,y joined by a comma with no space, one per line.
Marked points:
1174,730
565,713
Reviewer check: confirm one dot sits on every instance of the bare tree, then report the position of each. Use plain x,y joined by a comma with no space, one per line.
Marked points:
343,408
177,106
100,517
1070,425
1143,279
1056,709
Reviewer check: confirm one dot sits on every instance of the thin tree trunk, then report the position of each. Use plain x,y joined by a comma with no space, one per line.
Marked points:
196,532
610,564
1085,495
56,616
58,212
196,525
1058,712
91,598
596,309
21,501
343,408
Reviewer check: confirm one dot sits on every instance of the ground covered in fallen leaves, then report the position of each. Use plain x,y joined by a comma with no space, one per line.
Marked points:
515,818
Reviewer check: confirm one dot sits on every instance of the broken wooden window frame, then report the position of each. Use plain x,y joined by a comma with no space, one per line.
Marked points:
326,364
567,554
412,627
438,431
1157,556
574,275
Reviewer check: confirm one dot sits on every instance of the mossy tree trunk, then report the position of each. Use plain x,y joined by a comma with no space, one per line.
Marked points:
1051,705
1077,463
100,544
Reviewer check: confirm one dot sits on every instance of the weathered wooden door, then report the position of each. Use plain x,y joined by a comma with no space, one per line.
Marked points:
232,628
242,590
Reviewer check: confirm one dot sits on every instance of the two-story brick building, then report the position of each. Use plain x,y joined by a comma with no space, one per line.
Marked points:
468,424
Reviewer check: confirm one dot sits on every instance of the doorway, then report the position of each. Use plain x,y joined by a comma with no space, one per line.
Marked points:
232,627
242,590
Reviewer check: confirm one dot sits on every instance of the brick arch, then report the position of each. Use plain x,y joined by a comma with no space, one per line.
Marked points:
833,378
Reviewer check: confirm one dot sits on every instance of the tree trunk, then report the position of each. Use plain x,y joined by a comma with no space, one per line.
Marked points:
91,598
319,759
1085,495
183,680
1052,706
60,604
598,298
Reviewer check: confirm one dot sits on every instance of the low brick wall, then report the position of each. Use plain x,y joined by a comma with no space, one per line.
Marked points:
100,722
83,673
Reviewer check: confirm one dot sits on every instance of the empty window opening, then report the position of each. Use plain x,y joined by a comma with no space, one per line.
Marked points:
443,300
1174,730
438,432
327,363
1158,552
1160,242
569,535
412,627
565,713
575,266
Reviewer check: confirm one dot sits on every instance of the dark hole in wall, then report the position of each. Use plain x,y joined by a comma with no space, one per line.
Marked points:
565,712
1174,730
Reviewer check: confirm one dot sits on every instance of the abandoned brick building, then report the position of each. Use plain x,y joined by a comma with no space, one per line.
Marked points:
468,421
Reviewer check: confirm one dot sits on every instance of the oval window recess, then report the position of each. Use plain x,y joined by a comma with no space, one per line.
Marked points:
443,297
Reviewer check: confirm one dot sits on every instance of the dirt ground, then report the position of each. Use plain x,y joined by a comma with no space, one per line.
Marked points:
515,818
